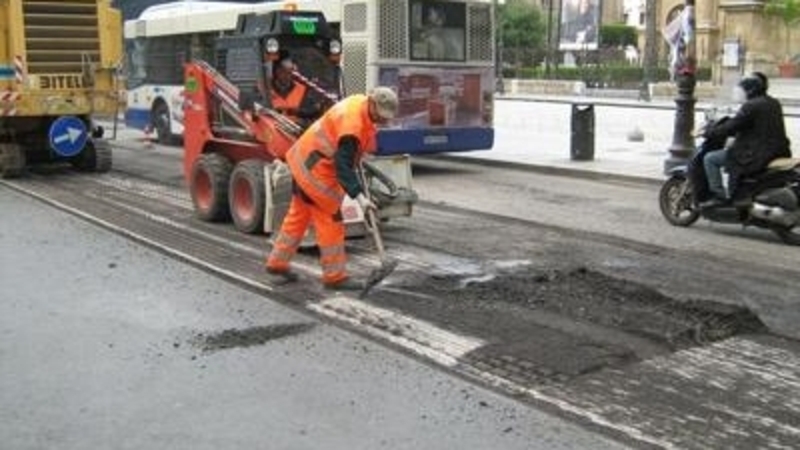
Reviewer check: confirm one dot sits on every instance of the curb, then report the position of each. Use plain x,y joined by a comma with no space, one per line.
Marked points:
549,170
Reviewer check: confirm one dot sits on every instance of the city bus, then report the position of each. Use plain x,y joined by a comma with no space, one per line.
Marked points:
437,54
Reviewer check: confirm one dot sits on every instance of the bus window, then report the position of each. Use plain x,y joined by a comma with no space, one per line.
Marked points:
438,30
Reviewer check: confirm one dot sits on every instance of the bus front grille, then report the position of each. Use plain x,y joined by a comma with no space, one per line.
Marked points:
60,35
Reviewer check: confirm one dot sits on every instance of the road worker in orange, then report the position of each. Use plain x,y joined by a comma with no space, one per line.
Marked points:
291,98
323,167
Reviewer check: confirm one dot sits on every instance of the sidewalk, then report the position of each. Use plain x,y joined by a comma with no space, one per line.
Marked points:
536,132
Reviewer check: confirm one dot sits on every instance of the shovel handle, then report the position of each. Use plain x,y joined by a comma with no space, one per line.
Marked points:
372,225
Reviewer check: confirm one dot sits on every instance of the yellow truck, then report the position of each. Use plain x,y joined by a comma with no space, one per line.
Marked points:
59,66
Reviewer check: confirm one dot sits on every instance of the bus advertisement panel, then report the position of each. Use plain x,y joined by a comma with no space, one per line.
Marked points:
440,108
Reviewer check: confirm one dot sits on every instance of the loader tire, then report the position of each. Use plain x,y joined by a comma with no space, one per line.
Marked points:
209,187
246,196
97,156
12,160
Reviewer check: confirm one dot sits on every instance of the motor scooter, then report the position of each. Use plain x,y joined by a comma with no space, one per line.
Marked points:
769,199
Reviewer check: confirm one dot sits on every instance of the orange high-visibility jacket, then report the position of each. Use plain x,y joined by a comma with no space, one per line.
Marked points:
311,158
290,104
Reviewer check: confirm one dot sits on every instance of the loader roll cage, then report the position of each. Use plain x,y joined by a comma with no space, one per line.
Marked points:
234,139
246,58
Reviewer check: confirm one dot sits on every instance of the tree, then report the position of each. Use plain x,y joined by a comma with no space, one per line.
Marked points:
789,13
522,31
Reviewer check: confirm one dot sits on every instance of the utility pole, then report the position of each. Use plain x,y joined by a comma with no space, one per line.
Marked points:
498,51
682,141
650,49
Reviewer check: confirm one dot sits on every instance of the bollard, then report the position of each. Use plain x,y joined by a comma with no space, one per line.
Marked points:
582,137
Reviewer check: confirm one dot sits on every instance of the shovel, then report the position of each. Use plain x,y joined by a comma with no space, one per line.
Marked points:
387,264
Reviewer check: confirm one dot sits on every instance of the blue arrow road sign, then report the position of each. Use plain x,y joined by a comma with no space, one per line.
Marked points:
68,136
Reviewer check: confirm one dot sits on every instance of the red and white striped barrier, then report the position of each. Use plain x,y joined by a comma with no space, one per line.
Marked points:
9,96
8,99
319,89
19,69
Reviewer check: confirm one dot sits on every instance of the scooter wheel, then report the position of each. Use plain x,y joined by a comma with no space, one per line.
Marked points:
675,201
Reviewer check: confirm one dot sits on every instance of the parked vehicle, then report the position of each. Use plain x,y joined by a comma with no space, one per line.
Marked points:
58,69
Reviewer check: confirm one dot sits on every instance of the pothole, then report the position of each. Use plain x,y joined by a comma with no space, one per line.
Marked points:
589,296
249,337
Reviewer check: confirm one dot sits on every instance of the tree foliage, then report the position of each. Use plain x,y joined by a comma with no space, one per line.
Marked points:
522,29
617,35
789,13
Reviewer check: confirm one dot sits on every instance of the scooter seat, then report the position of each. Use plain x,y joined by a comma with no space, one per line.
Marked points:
781,164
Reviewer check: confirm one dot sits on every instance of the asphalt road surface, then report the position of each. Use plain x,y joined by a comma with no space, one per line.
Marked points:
106,344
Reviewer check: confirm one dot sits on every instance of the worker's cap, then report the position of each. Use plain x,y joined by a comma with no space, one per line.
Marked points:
386,102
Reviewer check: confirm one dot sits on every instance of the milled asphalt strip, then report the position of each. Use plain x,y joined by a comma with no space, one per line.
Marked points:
138,237
567,407
172,196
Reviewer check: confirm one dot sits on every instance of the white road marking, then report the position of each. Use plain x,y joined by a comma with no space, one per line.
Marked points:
420,337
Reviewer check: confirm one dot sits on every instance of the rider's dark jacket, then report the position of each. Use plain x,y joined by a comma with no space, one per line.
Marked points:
760,135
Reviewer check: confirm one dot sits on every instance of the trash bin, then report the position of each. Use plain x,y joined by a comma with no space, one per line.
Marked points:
582,138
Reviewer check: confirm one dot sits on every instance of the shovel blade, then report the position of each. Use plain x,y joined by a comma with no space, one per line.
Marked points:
378,275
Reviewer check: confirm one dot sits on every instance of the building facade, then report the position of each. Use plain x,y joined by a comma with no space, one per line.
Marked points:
731,34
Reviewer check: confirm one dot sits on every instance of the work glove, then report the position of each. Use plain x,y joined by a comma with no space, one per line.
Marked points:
365,203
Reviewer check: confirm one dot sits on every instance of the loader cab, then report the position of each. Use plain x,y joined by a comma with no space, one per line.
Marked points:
248,57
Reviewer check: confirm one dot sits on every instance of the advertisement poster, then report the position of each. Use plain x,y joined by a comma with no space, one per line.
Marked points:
438,30
445,97
580,25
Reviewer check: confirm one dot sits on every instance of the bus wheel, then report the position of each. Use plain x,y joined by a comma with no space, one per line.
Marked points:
159,117
95,157
12,160
209,187
246,196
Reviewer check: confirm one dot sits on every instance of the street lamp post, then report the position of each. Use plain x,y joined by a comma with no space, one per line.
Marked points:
682,141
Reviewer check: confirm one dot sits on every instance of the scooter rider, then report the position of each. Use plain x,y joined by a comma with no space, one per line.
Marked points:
760,137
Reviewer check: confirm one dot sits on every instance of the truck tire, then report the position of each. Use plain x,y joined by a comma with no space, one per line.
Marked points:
209,187
246,196
97,156
12,160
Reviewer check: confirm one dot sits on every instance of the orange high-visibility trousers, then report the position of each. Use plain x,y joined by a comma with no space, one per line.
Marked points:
329,234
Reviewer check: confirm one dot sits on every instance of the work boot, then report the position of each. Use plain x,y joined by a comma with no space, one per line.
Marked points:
281,276
348,284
